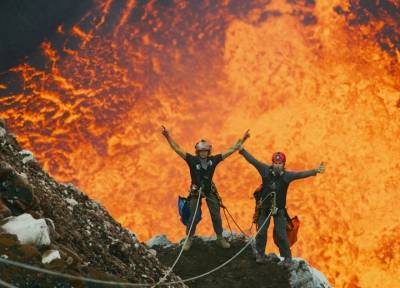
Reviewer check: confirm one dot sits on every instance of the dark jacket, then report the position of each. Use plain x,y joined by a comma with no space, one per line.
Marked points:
272,182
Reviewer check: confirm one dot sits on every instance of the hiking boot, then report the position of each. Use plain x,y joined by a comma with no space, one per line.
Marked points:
221,242
187,245
261,259
272,257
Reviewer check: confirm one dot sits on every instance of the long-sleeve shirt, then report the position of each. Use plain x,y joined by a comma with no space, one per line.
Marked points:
275,183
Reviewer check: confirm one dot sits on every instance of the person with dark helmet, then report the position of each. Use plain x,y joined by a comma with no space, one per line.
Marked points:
275,179
202,167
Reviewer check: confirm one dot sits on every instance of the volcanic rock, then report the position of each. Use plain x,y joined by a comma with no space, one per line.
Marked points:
66,231
205,255
2,132
159,240
27,156
28,230
50,256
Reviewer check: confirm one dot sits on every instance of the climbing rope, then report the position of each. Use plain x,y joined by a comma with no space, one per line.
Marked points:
230,259
7,285
229,225
113,283
162,279
224,208
160,282
237,225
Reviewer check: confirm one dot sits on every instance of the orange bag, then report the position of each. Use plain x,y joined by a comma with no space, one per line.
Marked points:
292,228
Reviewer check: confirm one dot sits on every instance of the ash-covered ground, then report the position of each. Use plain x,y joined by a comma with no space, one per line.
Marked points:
76,231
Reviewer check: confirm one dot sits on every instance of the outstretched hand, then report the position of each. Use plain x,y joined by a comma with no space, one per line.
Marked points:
321,168
241,141
164,131
246,135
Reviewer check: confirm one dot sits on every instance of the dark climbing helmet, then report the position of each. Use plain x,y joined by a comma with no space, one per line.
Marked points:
279,158
203,145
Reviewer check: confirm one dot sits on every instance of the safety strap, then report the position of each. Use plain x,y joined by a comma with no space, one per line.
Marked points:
224,208
229,225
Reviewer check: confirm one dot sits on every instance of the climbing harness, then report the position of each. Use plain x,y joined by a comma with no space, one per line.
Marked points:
259,203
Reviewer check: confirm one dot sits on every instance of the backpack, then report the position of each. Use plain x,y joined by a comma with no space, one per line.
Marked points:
292,228
184,210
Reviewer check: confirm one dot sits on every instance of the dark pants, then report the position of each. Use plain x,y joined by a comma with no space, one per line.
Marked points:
213,207
280,230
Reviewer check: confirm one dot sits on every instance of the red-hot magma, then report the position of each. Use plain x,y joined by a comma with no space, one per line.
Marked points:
318,80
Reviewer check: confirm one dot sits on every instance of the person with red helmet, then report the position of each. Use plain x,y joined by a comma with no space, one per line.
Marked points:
202,167
274,179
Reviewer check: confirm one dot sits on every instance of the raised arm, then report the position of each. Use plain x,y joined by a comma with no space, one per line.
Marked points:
236,146
173,144
231,150
261,167
304,174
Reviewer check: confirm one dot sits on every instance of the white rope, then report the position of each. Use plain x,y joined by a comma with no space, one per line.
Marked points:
229,260
273,199
91,280
68,276
162,279
7,285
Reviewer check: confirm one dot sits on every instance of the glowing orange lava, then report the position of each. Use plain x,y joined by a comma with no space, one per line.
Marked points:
304,76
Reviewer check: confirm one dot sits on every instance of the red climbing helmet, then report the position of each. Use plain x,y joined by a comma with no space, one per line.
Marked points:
279,158
203,145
